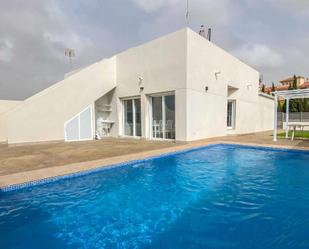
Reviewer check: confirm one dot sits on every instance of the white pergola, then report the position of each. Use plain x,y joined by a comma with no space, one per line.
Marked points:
287,95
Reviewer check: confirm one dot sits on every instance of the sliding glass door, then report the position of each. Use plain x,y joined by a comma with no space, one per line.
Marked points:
157,117
132,117
128,117
169,111
163,116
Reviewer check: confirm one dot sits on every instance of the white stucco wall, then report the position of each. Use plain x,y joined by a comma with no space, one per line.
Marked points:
162,65
254,116
42,116
5,106
183,63
207,111
266,112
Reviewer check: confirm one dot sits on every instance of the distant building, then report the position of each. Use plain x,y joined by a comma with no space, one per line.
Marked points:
304,85
289,81
285,84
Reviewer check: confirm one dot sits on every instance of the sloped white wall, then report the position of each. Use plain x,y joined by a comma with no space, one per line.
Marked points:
42,116
5,106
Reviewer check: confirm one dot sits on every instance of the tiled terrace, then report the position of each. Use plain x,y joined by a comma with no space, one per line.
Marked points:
31,162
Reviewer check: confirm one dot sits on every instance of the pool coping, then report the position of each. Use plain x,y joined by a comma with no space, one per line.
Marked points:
51,174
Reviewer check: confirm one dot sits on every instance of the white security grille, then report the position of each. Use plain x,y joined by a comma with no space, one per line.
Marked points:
79,127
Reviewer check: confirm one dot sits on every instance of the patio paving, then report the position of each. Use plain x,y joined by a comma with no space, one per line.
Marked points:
265,138
20,158
25,163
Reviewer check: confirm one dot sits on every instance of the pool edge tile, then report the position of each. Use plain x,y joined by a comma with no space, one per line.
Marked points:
108,166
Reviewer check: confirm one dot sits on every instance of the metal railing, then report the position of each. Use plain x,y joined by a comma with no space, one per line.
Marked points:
293,117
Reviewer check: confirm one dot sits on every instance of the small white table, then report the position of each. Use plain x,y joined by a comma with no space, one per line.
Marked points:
295,125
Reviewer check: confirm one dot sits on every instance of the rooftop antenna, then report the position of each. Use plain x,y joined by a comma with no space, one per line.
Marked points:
209,34
187,13
70,53
261,79
202,31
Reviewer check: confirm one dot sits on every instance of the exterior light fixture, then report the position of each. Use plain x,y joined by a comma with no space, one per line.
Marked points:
206,88
217,73
140,80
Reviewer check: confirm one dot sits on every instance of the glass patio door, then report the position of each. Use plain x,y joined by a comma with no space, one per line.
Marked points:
132,117
138,118
157,117
163,117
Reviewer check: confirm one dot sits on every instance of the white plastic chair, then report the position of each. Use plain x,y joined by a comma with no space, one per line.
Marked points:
169,128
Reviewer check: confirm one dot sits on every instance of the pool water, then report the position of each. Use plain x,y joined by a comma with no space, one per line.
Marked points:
221,196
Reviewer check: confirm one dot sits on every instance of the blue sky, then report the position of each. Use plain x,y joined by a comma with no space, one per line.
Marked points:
270,35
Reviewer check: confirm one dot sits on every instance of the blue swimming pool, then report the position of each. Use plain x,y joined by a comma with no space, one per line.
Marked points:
221,196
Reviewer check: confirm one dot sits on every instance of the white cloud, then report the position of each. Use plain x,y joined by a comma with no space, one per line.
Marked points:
67,34
68,39
6,47
260,56
153,5
301,6
215,12
32,45
298,3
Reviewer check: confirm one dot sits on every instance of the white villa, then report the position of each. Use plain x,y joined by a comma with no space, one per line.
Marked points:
179,87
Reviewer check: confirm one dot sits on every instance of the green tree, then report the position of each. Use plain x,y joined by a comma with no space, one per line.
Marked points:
293,103
293,106
273,87
294,82
283,107
280,106
296,105
303,105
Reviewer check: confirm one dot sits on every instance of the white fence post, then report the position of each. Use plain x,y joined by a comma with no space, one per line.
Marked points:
275,117
287,118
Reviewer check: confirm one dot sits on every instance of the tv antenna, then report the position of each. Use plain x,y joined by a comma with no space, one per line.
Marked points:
187,13
70,53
